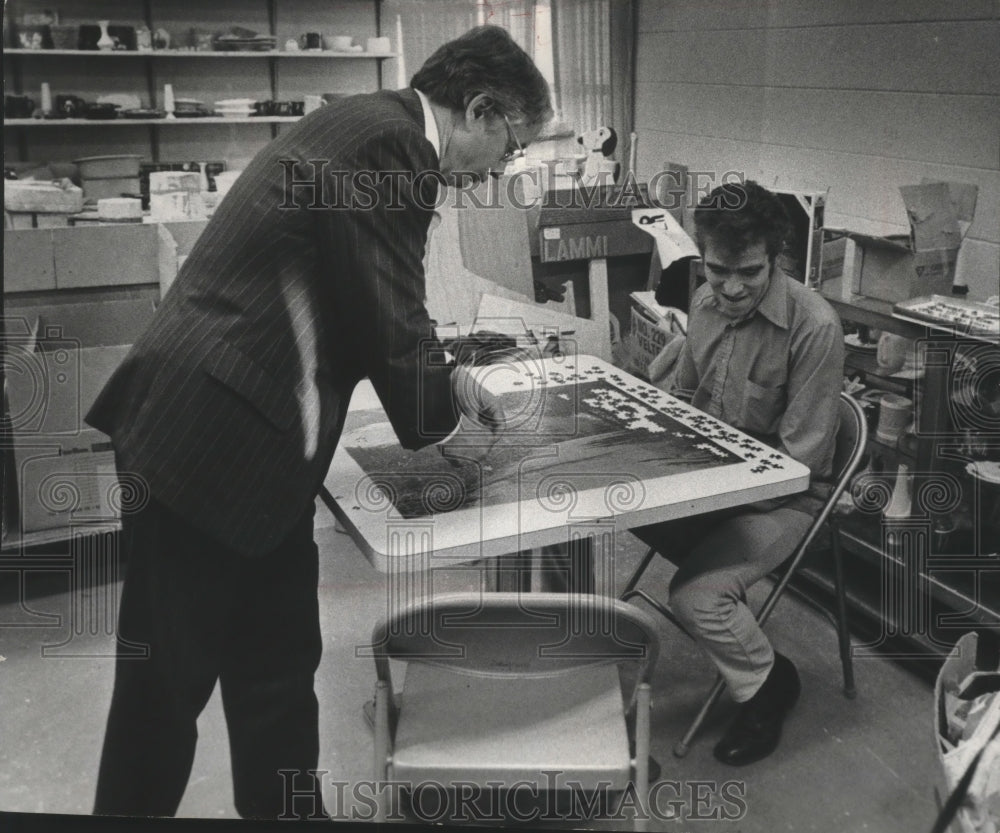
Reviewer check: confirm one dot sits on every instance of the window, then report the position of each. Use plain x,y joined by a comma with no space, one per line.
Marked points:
583,48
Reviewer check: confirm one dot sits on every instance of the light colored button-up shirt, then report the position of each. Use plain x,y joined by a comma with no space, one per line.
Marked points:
775,374
430,123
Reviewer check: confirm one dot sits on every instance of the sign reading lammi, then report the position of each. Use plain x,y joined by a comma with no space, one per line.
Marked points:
586,241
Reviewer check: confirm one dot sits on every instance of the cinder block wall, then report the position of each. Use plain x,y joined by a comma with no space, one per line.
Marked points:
854,95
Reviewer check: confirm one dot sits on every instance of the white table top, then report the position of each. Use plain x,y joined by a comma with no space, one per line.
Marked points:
586,445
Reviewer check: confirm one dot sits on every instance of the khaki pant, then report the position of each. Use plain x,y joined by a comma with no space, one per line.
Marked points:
720,556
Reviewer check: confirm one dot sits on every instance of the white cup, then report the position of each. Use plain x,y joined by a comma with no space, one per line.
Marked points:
378,46
341,43
312,102
894,414
893,351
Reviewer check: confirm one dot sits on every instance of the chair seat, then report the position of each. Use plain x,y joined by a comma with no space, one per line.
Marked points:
512,728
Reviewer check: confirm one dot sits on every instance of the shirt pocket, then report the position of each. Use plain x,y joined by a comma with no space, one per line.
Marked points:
763,407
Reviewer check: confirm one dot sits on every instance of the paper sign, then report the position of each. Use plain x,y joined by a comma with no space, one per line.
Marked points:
672,242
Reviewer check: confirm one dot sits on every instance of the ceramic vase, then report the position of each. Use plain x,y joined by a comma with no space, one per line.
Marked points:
900,504
105,43
168,100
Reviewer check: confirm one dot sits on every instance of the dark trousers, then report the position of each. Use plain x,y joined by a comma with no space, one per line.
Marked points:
207,613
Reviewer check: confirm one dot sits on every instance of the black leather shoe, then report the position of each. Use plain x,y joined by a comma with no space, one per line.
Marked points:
756,730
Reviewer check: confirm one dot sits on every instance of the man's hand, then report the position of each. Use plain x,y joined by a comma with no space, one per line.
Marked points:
481,418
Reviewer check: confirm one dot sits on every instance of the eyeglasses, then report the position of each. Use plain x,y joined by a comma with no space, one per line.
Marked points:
515,152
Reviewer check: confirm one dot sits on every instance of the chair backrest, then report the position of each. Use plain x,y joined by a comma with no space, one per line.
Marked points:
849,450
517,634
852,437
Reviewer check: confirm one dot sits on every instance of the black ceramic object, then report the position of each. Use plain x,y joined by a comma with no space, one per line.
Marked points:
18,106
100,111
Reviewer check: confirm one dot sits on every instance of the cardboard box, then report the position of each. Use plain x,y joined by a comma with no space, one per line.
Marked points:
64,470
96,255
652,326
85,324
33,197
65,484
834,253
111,255
899,267
887,268
28,260
58,356
80,256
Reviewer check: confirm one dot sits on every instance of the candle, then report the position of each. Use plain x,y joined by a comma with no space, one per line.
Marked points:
46,98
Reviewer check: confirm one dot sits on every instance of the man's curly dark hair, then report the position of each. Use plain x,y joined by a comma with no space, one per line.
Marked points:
737,214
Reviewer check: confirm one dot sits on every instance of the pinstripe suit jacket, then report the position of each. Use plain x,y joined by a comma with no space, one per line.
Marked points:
231,404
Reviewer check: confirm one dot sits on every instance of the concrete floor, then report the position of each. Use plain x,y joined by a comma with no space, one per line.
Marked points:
844,766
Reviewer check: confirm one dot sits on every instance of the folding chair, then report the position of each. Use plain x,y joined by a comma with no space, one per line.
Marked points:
509,688
852,438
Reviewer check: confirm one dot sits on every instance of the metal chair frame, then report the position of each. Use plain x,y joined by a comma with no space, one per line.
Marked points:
851,442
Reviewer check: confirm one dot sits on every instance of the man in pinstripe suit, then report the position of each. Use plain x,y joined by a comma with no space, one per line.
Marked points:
308,278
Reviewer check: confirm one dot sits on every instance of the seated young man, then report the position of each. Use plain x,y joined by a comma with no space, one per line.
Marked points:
765,355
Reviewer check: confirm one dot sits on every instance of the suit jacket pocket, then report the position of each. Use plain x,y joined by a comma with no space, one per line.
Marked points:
275,400
762,408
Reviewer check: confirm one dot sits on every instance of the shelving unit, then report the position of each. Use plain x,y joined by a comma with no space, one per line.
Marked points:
39,123
922,587
920,649
274,74
195,53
